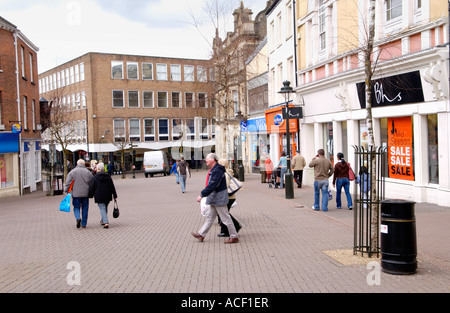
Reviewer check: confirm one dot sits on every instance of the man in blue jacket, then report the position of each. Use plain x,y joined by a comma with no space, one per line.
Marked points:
217,197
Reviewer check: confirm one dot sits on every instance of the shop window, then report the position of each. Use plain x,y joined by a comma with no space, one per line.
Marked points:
433,149
328,141
6,170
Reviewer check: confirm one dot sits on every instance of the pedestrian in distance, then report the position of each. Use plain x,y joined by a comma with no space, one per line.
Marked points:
174,170
110,168
102,189
282,164
323,170
183,171
363,180
341,180
298,164
216,194
231,200
269,167
81,177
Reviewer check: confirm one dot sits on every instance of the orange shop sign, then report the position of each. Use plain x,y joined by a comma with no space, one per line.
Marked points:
277,124
400,150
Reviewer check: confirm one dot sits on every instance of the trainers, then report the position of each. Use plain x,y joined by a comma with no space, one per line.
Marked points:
350,207
339,208
315,208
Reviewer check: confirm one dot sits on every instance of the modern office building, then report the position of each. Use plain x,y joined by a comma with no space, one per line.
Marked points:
131,104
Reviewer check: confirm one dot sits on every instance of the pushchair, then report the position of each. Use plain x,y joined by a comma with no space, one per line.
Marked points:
275,178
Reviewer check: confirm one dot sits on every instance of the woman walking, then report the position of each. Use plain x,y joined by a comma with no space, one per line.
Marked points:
102,189
340,179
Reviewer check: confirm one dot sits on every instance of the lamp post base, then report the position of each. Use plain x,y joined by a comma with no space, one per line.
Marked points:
289,185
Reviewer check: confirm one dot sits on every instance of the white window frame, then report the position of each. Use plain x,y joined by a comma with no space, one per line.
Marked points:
149,136
202,74
123,99
177,129
158,100
136,92
119,130
161,71
152,98
136,64
204,133
159,130
189,73
81,71
151,71
113,65
200,100
175,72
180,101
133,136
190,134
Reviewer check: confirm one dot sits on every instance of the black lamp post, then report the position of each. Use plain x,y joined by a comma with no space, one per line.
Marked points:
241,175
286,90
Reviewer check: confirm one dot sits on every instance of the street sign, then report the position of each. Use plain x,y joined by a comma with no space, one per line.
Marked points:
293,113
243,126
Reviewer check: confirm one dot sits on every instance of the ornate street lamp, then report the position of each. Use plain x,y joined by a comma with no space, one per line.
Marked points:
286,91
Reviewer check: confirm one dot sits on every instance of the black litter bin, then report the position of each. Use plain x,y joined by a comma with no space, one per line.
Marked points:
398,237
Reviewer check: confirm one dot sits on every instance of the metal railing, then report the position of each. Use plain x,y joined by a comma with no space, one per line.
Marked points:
368,198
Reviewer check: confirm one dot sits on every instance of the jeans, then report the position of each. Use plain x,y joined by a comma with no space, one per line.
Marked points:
282,172
103,212
82,202
343,182
183,182
318,186
178,177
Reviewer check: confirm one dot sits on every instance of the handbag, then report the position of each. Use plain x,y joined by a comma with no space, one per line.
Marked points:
351,174
234,185
65,203
116,211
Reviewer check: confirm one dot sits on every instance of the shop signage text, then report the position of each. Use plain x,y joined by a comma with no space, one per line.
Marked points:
400,150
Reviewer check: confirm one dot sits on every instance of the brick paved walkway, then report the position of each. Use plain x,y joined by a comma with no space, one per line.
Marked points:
149,247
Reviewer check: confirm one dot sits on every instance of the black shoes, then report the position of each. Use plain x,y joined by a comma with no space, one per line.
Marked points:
78,223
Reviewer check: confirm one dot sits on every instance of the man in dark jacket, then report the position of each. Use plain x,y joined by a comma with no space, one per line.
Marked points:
217,197
102,189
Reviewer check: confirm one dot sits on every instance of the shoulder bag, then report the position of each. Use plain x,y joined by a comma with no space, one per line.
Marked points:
234,185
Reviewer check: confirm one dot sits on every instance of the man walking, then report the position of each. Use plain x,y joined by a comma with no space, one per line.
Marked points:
183,170
298,163
323,169
81,177
217,197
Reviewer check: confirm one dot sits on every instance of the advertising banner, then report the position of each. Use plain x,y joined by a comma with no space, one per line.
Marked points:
400,148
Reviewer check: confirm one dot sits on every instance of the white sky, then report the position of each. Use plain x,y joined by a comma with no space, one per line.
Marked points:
66,29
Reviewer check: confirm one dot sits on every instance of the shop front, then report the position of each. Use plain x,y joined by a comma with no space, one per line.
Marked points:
9,165
258,142
276,129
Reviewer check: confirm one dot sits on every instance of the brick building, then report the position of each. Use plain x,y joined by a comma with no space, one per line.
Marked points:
20,157
135,103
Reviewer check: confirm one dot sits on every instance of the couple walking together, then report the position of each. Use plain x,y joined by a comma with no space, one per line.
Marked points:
85,185
216,192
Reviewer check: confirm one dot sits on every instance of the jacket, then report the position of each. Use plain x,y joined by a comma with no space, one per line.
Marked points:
183,168
81,176
298,163
101,188
216,190
340,170
364,180
323,168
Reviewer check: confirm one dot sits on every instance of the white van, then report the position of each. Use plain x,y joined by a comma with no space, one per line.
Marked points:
155,162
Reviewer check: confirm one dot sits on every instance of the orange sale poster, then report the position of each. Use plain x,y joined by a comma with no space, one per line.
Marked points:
400,148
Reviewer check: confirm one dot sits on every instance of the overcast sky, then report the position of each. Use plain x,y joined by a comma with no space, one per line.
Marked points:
66,29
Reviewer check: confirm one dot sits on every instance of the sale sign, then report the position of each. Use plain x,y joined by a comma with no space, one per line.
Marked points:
400,148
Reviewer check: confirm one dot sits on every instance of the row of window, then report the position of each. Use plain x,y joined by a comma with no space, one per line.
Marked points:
178,126
177,99
66,77
73,102
162,73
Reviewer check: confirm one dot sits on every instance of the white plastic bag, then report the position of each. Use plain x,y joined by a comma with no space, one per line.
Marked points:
204,208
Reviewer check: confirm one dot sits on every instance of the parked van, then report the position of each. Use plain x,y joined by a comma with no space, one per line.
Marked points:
155,162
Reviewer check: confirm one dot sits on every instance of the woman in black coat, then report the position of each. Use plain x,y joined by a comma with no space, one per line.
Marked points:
101,188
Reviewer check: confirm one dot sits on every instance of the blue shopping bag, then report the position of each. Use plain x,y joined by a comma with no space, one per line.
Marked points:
65,203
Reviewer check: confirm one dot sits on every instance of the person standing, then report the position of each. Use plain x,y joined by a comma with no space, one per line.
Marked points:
298,164
282,164
183,171
363,179
217,197
102,189
81,177
110,168
323,169
341,180
231,200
